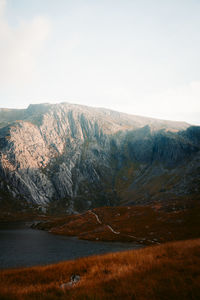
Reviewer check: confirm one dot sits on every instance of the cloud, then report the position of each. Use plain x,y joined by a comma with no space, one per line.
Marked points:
20,47
183,98
2,6
179,103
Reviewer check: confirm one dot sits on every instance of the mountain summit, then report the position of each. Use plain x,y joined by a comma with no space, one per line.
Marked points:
84,157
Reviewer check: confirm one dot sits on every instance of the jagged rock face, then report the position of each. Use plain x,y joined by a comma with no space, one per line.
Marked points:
90,156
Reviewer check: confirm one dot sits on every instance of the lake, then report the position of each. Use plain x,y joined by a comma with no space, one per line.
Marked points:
21,246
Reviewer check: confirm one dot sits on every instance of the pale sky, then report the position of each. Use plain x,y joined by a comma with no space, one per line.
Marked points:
136,56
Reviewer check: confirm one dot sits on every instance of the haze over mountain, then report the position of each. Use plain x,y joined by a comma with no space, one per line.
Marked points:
82,157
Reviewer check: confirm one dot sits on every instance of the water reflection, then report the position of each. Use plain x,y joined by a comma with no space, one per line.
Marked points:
22,246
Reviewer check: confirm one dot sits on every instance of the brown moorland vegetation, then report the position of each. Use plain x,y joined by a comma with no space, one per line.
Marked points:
168,271
146,225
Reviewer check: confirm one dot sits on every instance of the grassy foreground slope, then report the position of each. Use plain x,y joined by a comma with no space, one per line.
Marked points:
168,271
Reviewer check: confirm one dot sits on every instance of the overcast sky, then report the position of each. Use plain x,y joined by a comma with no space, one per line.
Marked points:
135,56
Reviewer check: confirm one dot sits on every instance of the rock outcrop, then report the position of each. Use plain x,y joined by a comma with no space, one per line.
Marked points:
86,157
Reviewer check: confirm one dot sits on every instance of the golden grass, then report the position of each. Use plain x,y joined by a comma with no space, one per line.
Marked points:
169,271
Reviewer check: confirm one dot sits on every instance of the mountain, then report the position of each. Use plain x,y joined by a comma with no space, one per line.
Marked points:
79,157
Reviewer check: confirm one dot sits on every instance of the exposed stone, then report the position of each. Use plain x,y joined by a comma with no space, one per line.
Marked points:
90,156
73,280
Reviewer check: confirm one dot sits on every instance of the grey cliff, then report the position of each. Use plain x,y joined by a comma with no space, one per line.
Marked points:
87,157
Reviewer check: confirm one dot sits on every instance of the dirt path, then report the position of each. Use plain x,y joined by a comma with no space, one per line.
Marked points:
111,229
97,218
117,232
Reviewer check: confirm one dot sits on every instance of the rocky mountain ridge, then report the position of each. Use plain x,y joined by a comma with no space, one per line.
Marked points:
85,157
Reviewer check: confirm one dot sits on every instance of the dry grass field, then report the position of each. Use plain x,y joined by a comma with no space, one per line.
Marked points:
146,225
169,271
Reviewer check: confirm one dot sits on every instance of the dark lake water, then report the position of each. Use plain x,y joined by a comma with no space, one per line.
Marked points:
22,246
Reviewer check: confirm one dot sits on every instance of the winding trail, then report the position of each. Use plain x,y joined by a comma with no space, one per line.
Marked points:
132,236
118,232
111,229
97,218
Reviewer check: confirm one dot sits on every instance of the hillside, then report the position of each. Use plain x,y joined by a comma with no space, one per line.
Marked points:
80,157
146,225
170,271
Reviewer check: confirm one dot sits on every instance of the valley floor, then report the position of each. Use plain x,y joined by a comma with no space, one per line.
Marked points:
168,271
